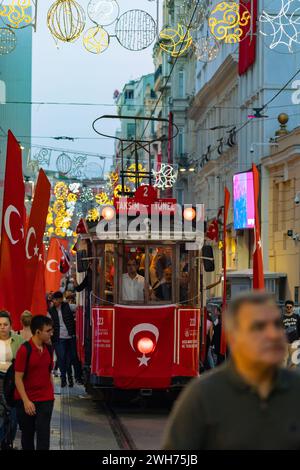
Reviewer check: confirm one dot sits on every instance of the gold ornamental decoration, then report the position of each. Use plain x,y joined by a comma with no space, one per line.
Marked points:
228,20
96,40
15,15
175,42
132,170
66,20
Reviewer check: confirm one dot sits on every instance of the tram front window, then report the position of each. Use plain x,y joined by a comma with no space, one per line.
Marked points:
133,283
161,274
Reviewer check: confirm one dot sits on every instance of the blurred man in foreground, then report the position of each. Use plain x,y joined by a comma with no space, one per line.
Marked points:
249,402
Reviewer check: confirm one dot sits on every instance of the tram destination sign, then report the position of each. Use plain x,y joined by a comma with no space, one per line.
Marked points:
145,201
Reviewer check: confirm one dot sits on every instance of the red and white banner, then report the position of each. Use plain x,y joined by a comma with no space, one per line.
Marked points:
247,45
39,303
52,272
188,342
35,232
12,251
103,341
258,268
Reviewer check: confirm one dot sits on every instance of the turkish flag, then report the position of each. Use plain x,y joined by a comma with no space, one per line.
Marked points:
258,268
247,45
224,302
35,231
52,273
39,303
136,327
213,230
12,251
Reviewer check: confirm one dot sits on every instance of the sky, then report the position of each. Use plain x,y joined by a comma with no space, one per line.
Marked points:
68,73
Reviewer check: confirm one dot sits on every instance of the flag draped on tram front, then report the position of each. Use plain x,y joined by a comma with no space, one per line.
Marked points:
12,250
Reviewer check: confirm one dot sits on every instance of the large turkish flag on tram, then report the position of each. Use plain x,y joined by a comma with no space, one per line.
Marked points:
52,273
12,251
35,232
258,268
136,366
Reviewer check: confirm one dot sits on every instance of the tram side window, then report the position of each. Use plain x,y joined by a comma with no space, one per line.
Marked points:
161,274
133,277
184,276
109,273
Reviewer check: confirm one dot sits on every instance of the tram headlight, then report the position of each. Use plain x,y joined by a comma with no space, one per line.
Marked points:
189,213
108,213
145,345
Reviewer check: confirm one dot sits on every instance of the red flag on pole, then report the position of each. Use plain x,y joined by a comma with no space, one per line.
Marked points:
258,268
247,45
52,272
226,208
12,250
35,231
39,304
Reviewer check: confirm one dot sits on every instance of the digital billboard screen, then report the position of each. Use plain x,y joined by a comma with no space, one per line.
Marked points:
243,200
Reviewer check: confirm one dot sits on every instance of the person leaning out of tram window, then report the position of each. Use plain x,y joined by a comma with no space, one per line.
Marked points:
133,284
26,318
9,346
250,402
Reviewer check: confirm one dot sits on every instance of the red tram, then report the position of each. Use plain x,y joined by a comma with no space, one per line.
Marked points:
138,323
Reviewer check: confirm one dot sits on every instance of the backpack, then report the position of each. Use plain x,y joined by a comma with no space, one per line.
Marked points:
9,385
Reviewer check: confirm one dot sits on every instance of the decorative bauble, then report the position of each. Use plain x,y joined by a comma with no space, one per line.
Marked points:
17,14
103,12
64,163
136,30
66,20
8,41
175,42
227,22
96,40
206,49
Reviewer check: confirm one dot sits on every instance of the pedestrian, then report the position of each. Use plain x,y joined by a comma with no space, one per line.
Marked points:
9,345
291,323
249,402
216,339
64,340
26,318
34,392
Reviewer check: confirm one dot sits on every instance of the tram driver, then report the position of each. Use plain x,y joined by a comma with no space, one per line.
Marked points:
133,284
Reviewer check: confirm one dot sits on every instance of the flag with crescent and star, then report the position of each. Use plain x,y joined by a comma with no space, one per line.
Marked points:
12,249
52,269
258,268
39,303
35,232
144,356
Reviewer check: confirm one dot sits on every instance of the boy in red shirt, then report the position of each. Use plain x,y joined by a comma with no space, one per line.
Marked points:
34,387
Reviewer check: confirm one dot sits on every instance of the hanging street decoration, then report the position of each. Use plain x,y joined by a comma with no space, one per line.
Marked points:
165,176
113,178
102,198
64,163
66,20
135,30
282,28
227,20
207,49
18,13
93,215
8,41
118,189
86,195
131,172
96,40
103,12
192,9
61,213
175,42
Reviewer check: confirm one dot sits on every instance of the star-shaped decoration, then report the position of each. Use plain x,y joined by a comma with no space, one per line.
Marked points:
36,250
40,257
143,360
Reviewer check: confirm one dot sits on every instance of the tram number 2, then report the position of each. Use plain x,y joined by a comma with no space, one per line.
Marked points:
146,191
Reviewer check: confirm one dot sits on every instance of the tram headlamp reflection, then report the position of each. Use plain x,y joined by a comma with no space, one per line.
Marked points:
189,213
108,213
145,345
